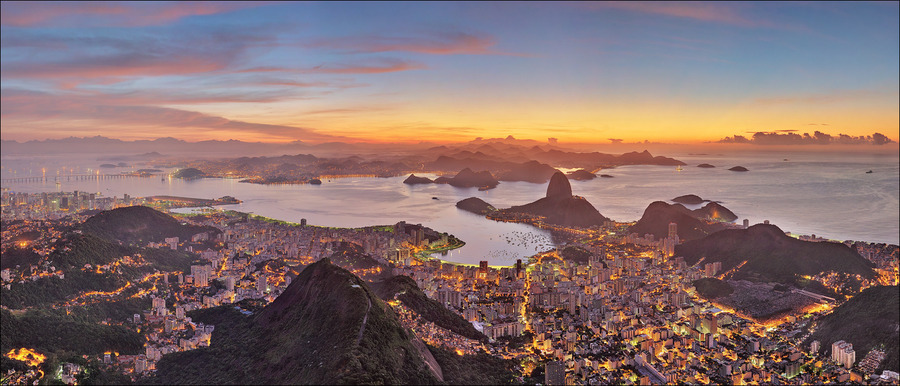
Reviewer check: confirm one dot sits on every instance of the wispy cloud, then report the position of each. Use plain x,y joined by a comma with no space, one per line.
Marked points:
451,43
133,14
22,105
371,66
724,13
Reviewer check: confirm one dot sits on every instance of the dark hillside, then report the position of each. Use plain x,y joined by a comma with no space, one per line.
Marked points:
867,320
139,224
773,256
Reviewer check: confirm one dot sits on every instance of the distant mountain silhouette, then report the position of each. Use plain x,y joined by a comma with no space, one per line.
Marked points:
531,171
561,207
706,166
466,178
773,256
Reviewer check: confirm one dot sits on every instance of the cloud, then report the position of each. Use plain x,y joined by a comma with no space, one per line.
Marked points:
455,43
96,14
76,58
818,138
722,13
24,106
372,66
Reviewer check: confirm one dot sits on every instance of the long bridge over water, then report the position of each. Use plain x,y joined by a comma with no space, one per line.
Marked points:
74,177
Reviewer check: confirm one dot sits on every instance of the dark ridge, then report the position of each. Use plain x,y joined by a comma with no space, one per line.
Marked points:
707,166
715,212
688,199
429,309
140,224
413,180
659,214
327,327
773,256
475,205
867,320
739,169
531,171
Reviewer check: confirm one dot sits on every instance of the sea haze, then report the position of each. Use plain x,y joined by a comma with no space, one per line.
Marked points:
827,195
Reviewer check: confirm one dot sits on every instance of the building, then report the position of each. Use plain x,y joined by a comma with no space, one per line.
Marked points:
843,353
555,373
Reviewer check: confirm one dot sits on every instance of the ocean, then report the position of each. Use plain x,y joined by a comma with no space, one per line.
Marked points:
829,195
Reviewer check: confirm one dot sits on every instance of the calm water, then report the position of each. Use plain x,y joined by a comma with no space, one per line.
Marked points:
810,194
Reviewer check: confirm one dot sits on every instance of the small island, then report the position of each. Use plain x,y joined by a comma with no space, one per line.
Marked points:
706,166
739,169
415,180
189,174
582,175
688,199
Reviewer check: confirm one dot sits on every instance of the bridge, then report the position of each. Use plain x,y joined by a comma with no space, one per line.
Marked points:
73,177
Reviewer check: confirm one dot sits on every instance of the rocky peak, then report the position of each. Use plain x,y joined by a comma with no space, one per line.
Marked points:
559,186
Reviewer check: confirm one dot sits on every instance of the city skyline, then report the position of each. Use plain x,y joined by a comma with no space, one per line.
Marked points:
325,72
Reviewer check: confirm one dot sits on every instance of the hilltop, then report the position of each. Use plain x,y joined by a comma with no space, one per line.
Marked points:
467,178
560,207
328,327
773,256
475,205
658,215
867,320
139,224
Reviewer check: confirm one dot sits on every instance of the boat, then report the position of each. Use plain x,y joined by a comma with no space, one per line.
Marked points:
435,198
869,172
678,169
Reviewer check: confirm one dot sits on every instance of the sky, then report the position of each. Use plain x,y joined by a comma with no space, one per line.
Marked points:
686,72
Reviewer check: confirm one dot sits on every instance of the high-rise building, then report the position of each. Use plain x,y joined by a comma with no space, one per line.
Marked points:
814,347
746,223
555,373
261,285
843,353
673,230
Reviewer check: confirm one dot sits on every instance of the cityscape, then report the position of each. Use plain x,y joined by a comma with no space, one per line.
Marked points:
167,220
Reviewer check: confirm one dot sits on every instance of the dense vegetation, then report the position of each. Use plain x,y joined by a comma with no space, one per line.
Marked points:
430,309
576,254
140,225
773,256
47,332
309,334
712,288
867,320
478,369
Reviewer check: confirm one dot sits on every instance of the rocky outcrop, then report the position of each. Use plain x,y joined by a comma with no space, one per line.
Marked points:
475,205
414,180
582,175
561,207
